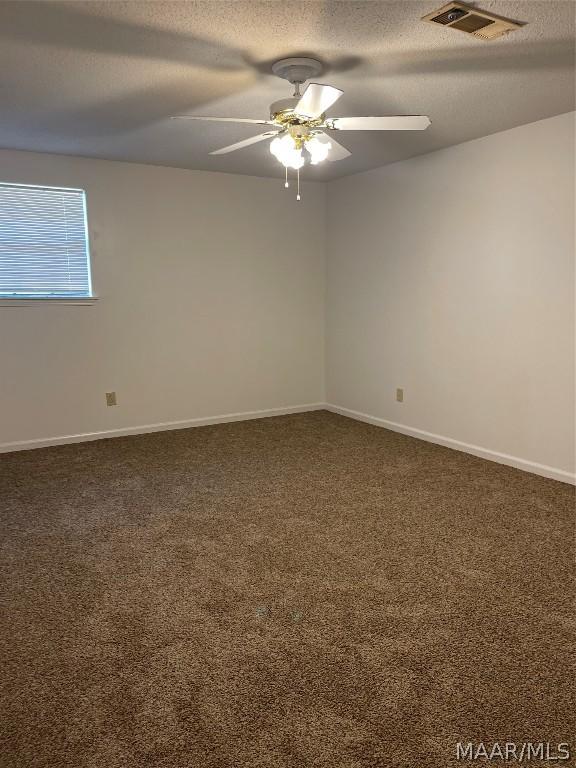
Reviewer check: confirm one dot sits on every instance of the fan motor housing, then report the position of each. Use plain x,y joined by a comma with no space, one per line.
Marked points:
282,112
283,105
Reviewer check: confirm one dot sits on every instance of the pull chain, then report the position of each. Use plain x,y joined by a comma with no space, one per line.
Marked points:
286,184
298,190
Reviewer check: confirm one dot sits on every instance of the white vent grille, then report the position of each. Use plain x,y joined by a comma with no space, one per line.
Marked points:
472,21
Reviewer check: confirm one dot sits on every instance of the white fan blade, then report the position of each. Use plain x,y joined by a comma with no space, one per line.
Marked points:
337,151
224,119
244,143
396,123
316,99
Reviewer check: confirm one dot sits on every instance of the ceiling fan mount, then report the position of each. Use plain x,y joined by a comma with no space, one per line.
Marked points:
297,70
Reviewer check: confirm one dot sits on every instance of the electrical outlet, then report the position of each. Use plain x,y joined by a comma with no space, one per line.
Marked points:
400,395
111,398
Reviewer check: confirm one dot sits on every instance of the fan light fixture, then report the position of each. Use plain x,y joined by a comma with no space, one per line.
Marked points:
297,125
285,150
318,149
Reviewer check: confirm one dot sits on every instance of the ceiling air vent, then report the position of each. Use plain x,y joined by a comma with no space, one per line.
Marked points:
471,20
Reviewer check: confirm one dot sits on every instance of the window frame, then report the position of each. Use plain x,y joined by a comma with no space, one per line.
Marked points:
75,301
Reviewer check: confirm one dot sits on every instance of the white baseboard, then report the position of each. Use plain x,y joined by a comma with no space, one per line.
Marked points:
25,445
448,442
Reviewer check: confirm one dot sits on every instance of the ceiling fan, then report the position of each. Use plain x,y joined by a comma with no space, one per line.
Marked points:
298,124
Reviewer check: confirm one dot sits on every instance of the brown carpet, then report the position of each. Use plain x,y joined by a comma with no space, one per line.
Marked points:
297,592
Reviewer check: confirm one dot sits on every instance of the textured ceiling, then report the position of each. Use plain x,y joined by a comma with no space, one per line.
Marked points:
100,79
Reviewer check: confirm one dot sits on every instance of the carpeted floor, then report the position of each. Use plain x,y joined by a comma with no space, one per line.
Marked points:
293,592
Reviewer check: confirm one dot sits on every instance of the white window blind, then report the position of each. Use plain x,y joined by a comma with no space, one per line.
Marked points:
43,243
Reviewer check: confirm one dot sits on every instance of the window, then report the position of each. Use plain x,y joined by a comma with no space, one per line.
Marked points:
43,243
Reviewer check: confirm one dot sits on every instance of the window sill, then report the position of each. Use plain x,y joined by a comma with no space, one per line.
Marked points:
62,301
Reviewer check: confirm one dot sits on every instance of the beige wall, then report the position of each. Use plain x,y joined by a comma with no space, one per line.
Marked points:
452,275
205,306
